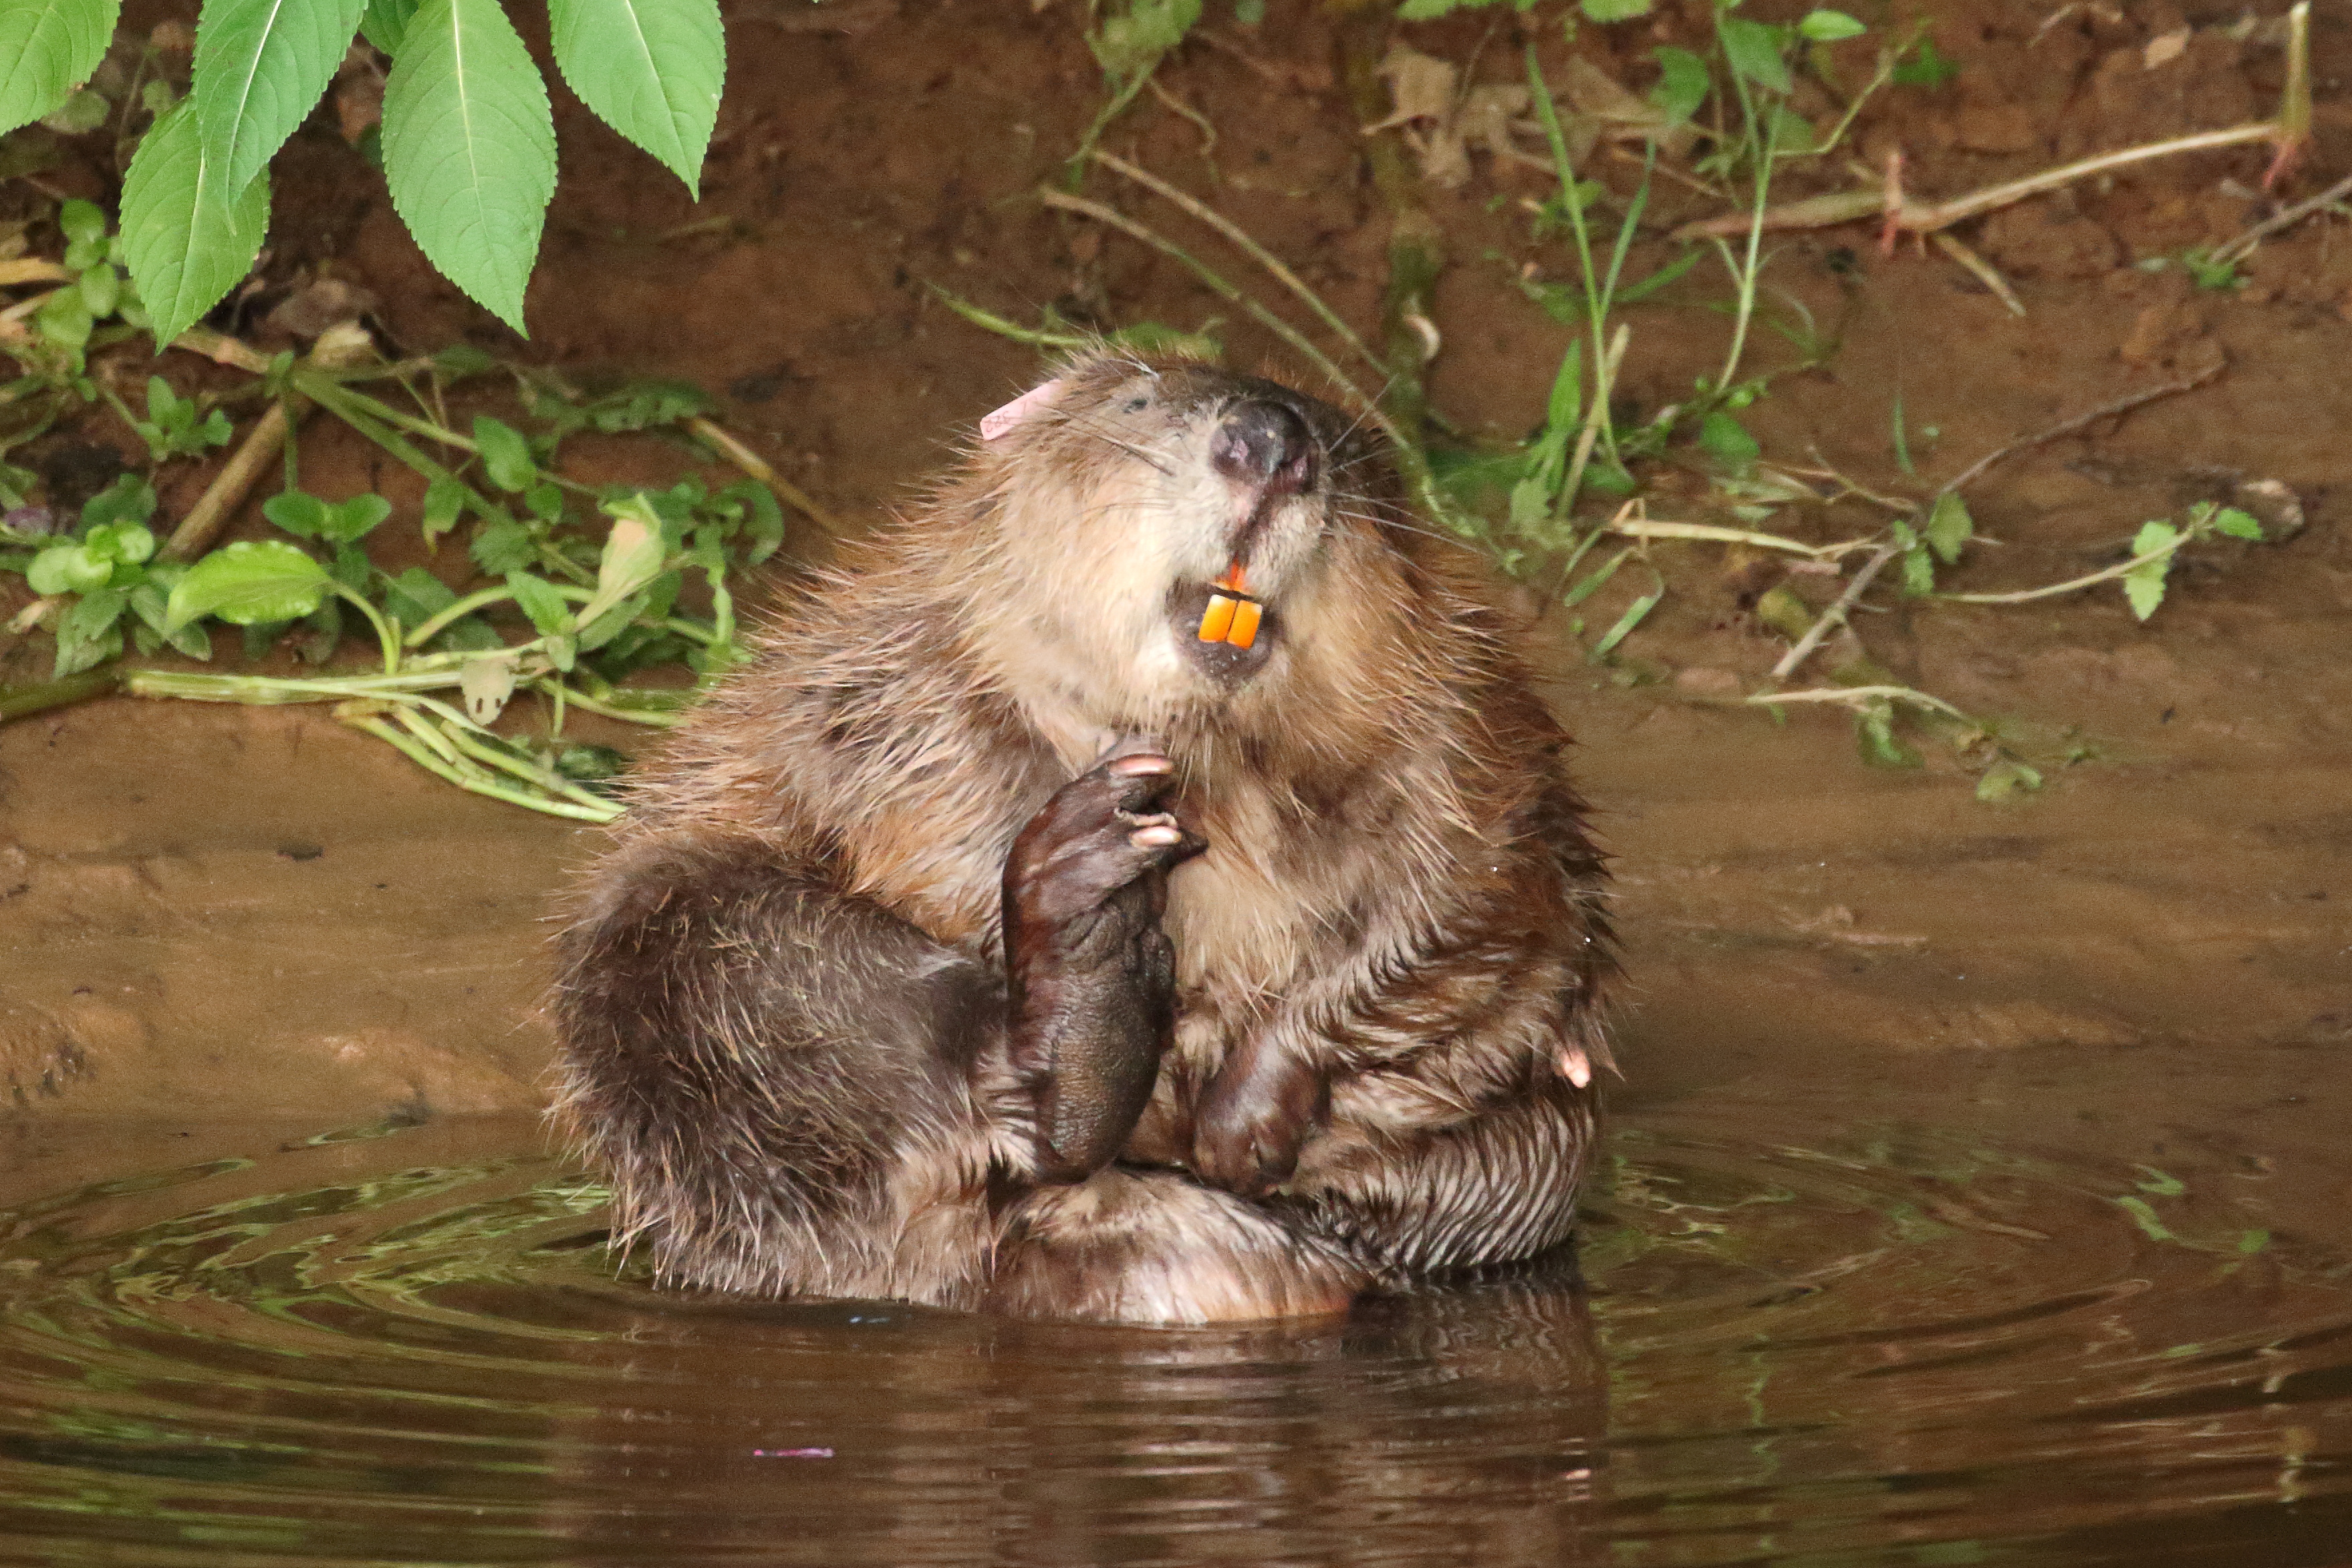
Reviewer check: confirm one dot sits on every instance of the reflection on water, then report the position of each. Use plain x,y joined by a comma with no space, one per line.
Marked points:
1799,1341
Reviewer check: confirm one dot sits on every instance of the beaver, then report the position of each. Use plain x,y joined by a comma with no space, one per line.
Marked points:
1139,885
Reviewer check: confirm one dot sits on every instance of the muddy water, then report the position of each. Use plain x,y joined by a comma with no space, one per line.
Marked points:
1953,1319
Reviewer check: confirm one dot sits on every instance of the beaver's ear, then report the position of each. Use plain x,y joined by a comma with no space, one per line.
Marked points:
1020,408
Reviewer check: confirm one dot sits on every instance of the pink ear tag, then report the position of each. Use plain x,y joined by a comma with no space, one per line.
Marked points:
992,425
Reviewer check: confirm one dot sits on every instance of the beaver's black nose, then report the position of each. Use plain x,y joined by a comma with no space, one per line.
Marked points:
1265,444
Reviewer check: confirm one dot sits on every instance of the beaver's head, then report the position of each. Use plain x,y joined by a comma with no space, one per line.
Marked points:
1177,533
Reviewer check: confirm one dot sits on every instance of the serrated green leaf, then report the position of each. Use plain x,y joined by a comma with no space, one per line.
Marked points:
2143,584
88,634
248,584
385,23
651,69
2237,524
261,67
500,548
506,456
1949,526
46,48
548,611
1918,572
185,240
1753,49
1829,26
1614,10
469,148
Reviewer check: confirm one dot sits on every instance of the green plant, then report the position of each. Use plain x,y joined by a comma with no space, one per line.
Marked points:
580,588
467,140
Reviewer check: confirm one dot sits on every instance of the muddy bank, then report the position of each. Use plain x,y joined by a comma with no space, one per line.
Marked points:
258,912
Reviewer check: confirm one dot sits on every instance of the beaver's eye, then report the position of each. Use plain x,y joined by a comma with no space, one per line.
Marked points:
1138,404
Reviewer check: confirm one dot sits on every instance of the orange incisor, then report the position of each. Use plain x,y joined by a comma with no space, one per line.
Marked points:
1232,620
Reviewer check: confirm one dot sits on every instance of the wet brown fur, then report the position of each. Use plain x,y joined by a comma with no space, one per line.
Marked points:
782,1003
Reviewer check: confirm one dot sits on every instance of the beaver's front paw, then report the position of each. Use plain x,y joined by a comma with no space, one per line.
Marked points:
1091,977
1254,1117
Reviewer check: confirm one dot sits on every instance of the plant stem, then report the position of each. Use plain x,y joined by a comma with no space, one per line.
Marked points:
1252,248
1857,696
2072,585
16,701
1745,274
387,632
474,780
227,492
1835,615
757,468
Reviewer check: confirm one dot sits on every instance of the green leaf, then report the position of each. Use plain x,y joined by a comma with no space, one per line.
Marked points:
248,584
299,512
149,603
347,522
417,597
67,569
385,23
1918,572
102,291
2237,524
129,499
1949,526
548,611
650,68
500,548
65,319
1881,747
87,634
1721,437
445,502
83,223
186,242
469,148
763,520
1753,49
46,48
126,544
631,557
1925,68
1829,26
506,456
350,568
1683,83
2143,584
1614,10
1132,40
84,109
261,67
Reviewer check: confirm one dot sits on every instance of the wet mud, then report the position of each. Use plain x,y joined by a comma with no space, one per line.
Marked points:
1977,1180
